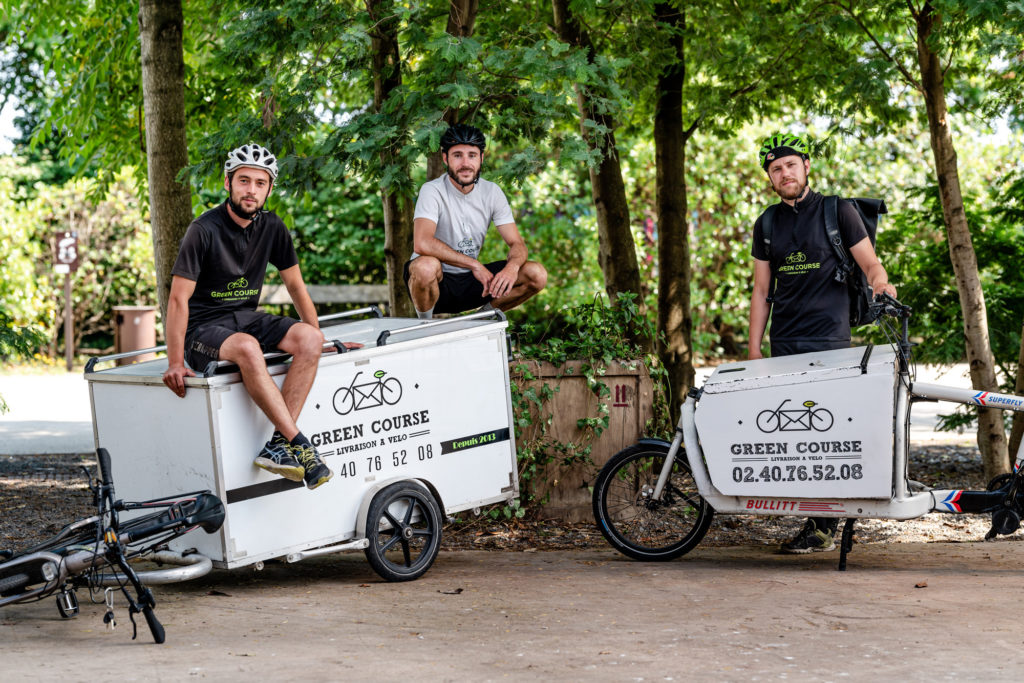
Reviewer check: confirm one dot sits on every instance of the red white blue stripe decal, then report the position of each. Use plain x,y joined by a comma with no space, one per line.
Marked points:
952,501
820,506
979,398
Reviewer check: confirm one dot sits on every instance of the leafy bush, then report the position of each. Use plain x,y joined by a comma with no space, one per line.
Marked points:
116,258
597,334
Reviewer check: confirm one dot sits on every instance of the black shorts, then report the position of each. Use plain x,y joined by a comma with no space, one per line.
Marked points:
459,291
202,344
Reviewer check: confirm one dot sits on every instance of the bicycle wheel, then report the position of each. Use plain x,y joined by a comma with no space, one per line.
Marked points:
403,526
9,585
391,391
343,402
638,526
821,420
768,421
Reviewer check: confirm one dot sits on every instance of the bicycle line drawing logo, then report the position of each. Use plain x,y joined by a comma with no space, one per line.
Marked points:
796,257
805,420
240,283
368,394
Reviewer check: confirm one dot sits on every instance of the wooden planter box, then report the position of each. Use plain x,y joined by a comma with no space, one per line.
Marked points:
565,490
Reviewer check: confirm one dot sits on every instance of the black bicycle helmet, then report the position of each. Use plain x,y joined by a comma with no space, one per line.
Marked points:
461,134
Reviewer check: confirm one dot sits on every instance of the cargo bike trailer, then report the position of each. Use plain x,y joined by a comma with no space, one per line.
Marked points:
416,425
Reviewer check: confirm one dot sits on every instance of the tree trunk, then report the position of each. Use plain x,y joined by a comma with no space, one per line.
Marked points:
462,17
163,96
461,20
991,433
398,208
616,251
1017,431
675,321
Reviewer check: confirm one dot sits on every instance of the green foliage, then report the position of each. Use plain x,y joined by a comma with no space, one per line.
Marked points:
338,231
594,333
919,261
116,258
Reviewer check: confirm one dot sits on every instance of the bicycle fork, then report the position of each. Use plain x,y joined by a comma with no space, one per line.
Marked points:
666,469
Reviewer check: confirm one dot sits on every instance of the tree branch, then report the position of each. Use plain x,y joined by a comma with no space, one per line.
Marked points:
913,82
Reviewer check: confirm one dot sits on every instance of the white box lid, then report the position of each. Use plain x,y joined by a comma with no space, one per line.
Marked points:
800,368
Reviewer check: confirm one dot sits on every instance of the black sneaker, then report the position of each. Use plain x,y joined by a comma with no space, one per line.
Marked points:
278,459
810,540
316,472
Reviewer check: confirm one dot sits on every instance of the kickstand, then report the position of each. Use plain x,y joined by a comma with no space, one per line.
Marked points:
846,544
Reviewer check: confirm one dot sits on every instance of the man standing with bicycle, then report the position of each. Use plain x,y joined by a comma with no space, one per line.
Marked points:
452,216
809,307
211,313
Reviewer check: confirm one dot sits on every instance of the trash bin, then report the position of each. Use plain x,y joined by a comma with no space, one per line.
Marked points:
134,329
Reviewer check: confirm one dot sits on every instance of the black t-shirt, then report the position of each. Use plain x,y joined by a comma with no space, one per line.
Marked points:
809,304
228,263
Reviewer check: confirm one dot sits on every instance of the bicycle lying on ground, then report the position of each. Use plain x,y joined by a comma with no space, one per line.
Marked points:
736,450
78,555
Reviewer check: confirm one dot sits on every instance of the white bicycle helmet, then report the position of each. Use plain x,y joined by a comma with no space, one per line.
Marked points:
253,156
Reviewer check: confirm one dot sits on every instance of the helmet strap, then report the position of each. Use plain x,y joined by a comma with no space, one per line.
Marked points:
237,208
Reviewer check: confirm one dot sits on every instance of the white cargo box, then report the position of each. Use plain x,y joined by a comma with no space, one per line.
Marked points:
810,425
430,405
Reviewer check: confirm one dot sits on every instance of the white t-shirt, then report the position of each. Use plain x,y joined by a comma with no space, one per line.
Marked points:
462,219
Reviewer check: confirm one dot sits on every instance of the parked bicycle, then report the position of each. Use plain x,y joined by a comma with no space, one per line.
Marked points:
95,553
737,451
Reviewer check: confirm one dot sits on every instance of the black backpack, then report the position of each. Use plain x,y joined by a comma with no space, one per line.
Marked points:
848,270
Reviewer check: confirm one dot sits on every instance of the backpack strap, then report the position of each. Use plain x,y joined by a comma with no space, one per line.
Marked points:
767,221
835,239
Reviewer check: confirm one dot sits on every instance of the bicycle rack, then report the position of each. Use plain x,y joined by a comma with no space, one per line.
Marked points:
382,339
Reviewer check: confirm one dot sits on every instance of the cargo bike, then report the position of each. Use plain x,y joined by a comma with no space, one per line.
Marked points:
817,435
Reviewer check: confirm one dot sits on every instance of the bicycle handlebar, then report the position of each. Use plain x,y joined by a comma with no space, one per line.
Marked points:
884,304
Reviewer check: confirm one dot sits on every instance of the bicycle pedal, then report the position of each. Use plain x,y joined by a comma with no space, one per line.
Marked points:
67,604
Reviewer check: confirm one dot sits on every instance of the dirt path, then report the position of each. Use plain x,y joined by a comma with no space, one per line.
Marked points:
913,611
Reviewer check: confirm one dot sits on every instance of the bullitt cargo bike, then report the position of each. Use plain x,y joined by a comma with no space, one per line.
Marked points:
816,435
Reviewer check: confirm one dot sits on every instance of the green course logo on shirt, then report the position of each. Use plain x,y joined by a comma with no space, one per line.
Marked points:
796,264
238,289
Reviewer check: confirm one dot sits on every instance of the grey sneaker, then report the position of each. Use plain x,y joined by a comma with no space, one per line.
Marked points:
809,540
278,459
316,472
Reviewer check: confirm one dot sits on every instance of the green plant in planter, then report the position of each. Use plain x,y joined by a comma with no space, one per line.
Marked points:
597,334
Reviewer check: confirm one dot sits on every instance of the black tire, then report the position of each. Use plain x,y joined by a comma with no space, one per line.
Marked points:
403,526
642,528
999,481
9,585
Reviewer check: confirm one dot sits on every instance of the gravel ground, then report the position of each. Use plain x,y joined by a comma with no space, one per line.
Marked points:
40,494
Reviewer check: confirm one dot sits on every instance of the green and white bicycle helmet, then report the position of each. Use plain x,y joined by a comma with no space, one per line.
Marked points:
780,145
251,156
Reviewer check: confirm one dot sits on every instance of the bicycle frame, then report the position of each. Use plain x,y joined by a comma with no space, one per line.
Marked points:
69,560
901,506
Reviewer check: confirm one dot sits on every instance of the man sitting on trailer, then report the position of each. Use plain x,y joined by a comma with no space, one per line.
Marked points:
453,213
811,308
211,313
